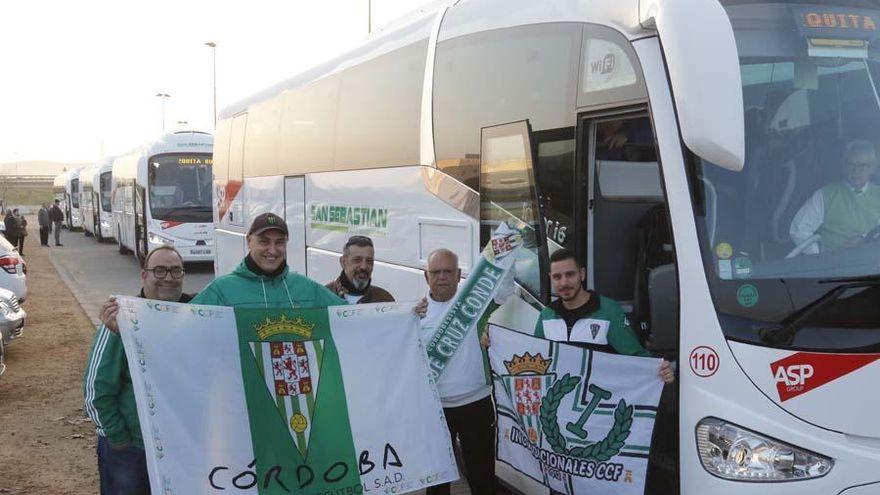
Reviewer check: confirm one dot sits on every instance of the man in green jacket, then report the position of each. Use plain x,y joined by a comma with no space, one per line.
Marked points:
262,279
585,318
107,387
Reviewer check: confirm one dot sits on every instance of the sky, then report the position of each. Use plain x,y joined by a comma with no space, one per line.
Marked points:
79,79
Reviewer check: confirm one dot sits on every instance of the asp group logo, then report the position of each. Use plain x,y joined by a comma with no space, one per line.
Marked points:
802,372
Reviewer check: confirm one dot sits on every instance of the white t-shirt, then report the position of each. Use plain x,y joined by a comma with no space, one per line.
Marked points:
352,298
464,379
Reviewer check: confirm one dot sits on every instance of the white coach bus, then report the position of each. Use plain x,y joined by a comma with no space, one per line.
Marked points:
162,195
66,188
95,201
671,144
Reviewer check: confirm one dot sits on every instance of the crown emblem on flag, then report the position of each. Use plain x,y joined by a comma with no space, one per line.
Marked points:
282,325
528,364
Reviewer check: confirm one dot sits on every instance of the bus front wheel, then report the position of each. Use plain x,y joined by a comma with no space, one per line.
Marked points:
122,248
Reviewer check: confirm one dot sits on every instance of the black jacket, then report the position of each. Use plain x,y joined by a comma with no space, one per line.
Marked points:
12,225
56,214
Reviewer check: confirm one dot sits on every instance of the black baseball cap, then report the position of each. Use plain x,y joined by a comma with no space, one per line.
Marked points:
267,221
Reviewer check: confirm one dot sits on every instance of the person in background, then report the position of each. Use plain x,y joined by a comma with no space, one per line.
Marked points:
354,283
12,227
57,217
45,223
22,230
843,212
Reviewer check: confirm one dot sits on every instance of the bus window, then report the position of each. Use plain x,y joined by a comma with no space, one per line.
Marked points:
236,168
626,161
500,76
508,194
626,191
74,193
105,191
556,179
610,70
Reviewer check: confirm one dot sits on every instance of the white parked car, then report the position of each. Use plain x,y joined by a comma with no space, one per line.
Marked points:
12,317
13,271
2,356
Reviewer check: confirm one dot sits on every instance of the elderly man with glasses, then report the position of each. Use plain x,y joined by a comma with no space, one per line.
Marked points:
354,283
841,214
107,387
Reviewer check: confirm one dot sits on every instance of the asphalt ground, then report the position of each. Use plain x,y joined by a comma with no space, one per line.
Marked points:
94,271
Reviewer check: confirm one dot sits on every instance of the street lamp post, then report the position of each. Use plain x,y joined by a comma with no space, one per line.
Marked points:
213,46
163,96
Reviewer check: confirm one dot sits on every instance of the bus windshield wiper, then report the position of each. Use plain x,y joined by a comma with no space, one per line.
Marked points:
178,210
860,278
783,334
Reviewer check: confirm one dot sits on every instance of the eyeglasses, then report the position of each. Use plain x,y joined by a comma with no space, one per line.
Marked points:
442,271
163,271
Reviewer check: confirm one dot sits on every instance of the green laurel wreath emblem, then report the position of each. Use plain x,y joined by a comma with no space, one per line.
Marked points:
600,451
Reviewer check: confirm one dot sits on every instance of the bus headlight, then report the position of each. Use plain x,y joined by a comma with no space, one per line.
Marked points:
158,239
735,453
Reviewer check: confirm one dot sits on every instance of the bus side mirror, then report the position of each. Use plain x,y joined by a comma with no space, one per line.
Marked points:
703,65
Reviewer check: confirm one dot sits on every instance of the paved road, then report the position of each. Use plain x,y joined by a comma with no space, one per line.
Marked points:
93,270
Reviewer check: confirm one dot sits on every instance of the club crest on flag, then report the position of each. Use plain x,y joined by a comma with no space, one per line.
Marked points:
574,420
292,371
504,241
527,383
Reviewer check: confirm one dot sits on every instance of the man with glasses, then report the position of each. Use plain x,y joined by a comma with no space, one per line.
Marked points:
464,386
841,214
107,387
354,283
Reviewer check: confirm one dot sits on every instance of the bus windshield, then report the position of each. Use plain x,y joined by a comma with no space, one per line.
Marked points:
180,187
804,212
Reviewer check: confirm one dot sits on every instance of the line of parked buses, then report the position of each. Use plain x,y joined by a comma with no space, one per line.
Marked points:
159,193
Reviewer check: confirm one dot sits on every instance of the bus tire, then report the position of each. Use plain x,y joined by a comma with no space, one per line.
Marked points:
122,248
138,252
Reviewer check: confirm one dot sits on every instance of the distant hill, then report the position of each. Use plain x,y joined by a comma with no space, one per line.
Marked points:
35,168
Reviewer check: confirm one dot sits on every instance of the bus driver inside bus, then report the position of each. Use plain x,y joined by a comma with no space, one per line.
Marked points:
842,214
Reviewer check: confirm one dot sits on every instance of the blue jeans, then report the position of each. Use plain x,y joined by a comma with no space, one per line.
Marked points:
123,469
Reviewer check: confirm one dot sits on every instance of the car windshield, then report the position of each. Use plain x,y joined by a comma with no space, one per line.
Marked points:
180,187
806,206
